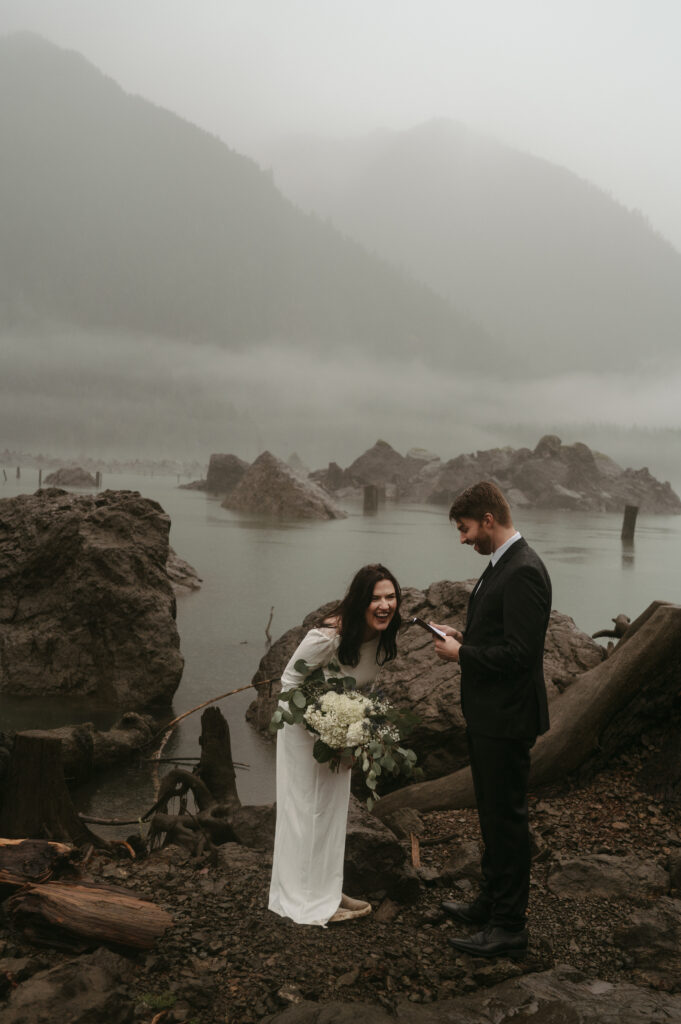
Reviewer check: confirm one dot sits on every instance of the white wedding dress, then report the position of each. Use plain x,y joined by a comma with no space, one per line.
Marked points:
312,800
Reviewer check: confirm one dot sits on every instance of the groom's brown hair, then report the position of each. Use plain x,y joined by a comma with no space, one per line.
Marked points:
476,501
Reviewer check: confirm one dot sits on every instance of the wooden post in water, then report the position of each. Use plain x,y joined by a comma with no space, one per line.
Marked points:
98,479
40,478
629,522
4,473
18,472
370,498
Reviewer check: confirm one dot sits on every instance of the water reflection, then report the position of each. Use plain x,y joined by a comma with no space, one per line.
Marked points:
627,554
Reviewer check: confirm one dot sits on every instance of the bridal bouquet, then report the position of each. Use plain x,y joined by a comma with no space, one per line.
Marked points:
351,727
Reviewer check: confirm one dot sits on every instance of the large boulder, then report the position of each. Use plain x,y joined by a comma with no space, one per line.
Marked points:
270,487
86,606
418,681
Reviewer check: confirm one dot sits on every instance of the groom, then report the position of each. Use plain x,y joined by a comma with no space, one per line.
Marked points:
503,699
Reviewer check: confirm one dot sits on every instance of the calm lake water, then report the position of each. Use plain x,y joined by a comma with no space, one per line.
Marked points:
250,565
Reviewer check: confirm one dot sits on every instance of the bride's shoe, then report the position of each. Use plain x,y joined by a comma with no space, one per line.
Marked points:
350,909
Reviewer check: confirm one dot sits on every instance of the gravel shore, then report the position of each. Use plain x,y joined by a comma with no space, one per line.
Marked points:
228,960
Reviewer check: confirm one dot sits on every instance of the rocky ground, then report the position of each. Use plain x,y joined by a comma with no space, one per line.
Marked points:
605,853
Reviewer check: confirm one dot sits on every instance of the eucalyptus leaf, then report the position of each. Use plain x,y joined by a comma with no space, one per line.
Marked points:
299,699
288,717
321,752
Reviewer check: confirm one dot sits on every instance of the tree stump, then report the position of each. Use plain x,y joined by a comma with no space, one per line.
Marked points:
216,767
37,804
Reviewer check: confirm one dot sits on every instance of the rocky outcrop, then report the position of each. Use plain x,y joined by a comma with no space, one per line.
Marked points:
556,476
86,606
418,681
379,465
270,487
553,475
382,466
71,476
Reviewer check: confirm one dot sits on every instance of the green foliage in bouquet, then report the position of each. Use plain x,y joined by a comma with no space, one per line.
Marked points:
351,727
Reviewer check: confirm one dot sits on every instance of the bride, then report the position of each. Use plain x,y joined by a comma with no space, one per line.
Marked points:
312,801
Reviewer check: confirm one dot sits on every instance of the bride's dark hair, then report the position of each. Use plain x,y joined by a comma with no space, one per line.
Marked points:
352,623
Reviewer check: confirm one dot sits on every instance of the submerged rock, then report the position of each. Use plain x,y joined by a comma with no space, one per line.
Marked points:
224,473
86,606
71,476
270,487
556,476
181,574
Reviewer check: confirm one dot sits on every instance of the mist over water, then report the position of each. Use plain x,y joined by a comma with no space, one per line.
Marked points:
112,395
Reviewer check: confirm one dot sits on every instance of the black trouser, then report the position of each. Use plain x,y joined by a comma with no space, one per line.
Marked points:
501,769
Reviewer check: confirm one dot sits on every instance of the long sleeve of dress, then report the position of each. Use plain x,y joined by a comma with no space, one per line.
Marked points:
318,647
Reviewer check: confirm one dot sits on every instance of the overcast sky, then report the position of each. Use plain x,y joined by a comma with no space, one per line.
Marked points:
593,85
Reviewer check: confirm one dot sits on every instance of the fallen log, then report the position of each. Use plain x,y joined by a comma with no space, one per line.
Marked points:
75,916
602,711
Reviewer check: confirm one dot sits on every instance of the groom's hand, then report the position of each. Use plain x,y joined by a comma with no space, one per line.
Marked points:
449,630
448,649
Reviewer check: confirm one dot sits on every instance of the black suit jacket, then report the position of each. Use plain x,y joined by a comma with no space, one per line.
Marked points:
502,674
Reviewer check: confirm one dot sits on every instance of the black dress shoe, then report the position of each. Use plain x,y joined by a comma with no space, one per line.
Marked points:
468,913
493,941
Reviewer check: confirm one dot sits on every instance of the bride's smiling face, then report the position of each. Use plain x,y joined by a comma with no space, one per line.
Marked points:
381,609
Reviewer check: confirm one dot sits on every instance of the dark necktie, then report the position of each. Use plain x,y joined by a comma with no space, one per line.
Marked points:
477,586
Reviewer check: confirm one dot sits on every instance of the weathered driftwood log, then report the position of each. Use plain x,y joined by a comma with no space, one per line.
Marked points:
602,711
33,860
76,917
36,803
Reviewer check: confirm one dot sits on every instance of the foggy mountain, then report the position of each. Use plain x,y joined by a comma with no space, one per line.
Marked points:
118,216
564,276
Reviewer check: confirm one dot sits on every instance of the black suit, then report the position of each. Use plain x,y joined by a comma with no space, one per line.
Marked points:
503,698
